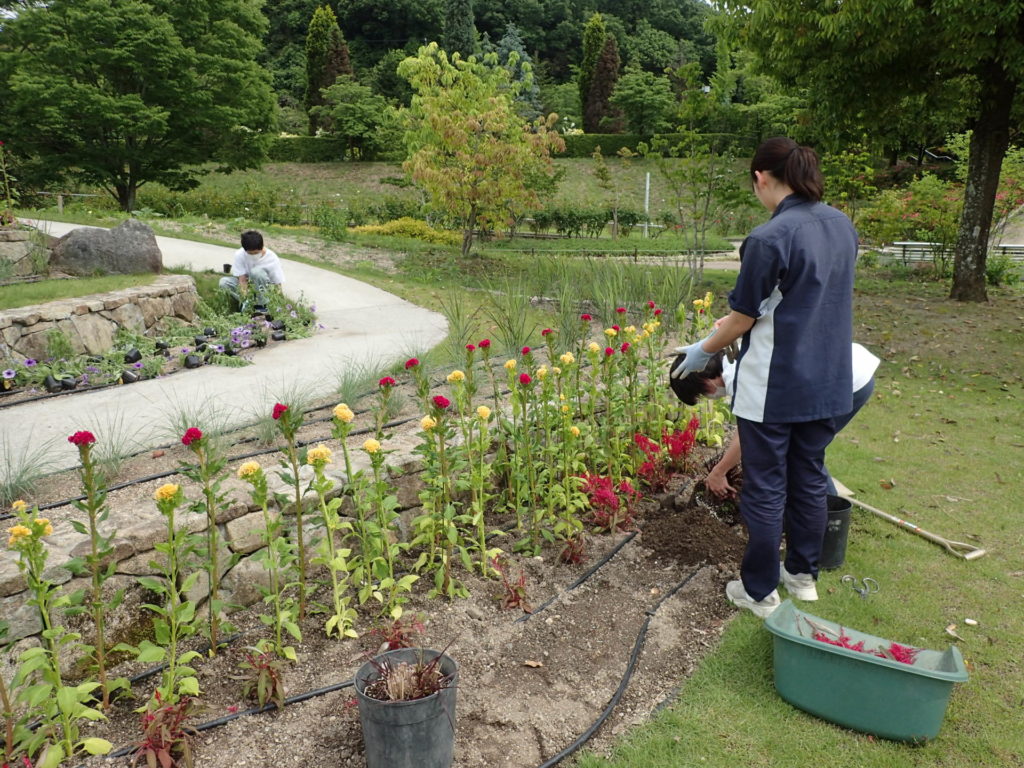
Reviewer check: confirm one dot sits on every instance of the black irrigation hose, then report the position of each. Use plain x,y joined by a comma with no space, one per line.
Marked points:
204,648
590,572
617,696
48,395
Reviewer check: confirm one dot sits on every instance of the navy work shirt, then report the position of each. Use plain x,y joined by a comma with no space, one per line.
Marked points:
796,278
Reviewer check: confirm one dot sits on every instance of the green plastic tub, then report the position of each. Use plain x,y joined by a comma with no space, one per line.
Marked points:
858,690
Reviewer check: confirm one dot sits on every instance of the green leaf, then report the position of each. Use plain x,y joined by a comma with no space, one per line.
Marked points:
67,700
188,686
149,653
96,746
52,757
289,653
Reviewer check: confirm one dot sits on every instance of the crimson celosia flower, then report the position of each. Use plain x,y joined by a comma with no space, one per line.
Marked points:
608,351
624,348
279,410
650,305
82,438
386,383
616,328
412,362
441,402
658,312
621,310
484,343
192,434
586,318
524,379
546,331
525,350
470,348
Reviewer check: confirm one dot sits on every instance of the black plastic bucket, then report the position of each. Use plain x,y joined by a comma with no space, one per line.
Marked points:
408,734
833,546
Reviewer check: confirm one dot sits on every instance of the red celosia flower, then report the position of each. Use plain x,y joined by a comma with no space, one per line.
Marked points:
616,328
658,312
645,444
470,348
192,434
412,362
624,348
279,410
621,310
586,318
82,438
608,351
650,305
442,402
484,343
386,383
524,379
546,331
525,350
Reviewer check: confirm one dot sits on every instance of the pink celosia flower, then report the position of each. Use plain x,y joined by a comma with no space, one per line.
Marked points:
412,362
279,410
82,438
658,312
484,343
624,348
650,305
470,348
608,351
586,318
525,350
442,402
386,383
621,310
191,435
546,331
524,379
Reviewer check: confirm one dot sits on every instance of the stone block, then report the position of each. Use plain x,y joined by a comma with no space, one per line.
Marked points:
11,579
22,619
128,316
201,589
95,332
122,550
407,489
145,534
129,248
242,583
245,534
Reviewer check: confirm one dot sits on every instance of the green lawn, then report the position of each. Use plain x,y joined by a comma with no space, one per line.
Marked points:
946,431
24,294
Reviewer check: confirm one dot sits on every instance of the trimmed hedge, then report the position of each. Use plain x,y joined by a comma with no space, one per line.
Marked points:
306,149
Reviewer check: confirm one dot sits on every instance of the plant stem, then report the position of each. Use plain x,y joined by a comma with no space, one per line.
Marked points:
293,460
212,544
98,610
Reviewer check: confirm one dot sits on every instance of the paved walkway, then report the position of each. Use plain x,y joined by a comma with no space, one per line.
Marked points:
364,327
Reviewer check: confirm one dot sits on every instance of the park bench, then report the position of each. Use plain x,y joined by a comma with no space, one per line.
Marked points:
910,252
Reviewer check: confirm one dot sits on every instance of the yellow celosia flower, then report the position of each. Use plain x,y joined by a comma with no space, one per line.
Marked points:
648,327
594,347
371,445
630,329
17,533
456,376
574,430
556,370
48,528
610,332
19,506
510,365
428,423
343,413
567,359
166,492
698,303
542,372
319,456
565,409
483,413
248,469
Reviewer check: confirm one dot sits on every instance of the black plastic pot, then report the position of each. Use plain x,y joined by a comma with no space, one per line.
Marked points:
52,385
277,325
68,383
199,340
201,347
833,546
162,345
408,734
193,361
129,377
278,336
210,331
132,356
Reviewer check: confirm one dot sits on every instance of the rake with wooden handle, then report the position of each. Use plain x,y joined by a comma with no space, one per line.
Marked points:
958,548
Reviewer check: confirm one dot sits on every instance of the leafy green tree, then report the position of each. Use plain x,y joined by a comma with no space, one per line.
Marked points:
652,49
859,60
384,79
645,100
284,53
848,178
594,35
459,31
471,153
362,118
326,58
598,113
513,56
120,93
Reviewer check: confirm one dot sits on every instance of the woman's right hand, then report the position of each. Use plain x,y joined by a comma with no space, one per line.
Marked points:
719,485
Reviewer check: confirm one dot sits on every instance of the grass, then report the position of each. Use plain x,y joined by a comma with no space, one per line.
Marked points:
23,463
25,294
946,431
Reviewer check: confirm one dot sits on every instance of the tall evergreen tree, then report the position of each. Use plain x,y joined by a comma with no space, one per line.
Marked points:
598,114
326,58
513,56
594,35
459,29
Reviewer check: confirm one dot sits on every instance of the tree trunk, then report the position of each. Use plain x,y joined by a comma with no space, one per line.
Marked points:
126,196
467,233
989,142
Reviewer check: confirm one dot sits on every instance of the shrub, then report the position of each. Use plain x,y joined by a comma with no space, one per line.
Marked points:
411,228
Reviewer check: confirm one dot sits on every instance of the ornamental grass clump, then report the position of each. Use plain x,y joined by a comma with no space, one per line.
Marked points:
407,682
278,557
42,690
97,564
208,472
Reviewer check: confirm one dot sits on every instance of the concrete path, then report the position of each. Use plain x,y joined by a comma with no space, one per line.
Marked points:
363,327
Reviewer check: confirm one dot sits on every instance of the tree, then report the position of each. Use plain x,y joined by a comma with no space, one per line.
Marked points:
513,56
459,32
645,99
471,153
357,115
124,92
326,58
859,60
594,35
598,113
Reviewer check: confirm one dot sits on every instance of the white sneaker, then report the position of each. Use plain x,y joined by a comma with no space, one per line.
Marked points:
799,585
738,596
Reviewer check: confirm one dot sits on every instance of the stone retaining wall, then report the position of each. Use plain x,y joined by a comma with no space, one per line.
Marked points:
91,322
24,255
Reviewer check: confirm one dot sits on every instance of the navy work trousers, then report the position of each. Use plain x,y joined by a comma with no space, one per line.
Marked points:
784,489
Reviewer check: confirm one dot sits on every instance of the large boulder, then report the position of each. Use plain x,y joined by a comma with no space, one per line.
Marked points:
129,248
